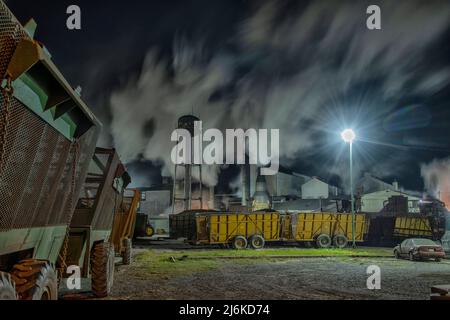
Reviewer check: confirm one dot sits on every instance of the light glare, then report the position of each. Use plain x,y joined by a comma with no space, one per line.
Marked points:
348,135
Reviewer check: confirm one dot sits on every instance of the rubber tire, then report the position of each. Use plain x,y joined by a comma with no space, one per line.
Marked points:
7,287
127,252
149,231
437,259
239,243
257,241
396,254
323,241
340,241
102,269
35,280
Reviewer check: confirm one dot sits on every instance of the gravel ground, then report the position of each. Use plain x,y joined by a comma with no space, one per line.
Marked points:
301,278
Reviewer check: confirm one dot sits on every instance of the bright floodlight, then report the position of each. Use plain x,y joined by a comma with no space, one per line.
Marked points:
348,135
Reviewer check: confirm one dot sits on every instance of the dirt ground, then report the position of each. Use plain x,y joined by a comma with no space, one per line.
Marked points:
159,272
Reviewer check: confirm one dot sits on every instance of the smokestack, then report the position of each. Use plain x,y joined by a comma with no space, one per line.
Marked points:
395,185
211,198
261,199
188,123
245,184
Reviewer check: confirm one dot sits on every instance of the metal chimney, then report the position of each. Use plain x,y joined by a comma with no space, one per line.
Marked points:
187,122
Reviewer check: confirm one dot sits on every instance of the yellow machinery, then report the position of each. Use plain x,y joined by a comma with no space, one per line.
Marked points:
407,227
255,228
123,227
323,228
237,229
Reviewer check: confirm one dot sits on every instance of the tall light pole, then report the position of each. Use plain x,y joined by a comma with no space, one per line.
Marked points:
348,135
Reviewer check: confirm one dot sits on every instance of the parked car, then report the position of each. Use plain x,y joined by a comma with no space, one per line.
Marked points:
418,249
445,242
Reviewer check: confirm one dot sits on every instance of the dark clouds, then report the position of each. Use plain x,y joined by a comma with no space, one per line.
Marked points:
310,68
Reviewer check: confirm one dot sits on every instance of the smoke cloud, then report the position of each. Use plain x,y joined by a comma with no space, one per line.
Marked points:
436,177
293,69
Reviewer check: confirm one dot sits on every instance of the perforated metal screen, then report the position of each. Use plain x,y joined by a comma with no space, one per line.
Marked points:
36,166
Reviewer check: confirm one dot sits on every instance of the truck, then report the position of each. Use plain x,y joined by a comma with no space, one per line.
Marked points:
89,243
47,139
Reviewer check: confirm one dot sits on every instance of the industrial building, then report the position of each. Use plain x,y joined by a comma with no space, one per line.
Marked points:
374,202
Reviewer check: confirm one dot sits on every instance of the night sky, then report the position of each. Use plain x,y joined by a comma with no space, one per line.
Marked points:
309,68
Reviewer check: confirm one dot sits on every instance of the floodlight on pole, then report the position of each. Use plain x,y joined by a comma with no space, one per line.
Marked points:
348,135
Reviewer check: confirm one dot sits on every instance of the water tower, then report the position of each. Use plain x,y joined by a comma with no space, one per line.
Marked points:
182,188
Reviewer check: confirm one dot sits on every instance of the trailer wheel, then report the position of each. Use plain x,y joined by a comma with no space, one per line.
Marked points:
257,241
7,287
323,241
35,280
239,242
340,241
128,248
102,269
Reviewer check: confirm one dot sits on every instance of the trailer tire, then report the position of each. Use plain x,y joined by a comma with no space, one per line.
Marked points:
7,287
127,252
340,241
102,269
257,241
35,280
239,242
323,241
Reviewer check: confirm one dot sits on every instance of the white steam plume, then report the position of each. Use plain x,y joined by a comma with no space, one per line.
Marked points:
436,177
292,80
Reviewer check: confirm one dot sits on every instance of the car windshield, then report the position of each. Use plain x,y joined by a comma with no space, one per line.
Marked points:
424,242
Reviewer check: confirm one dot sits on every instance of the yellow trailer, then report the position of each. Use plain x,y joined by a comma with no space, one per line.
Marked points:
406,227
123,226
237,229
323,229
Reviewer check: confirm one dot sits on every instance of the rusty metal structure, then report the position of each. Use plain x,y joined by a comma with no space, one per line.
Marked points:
100,200
183,201
124,222
47,138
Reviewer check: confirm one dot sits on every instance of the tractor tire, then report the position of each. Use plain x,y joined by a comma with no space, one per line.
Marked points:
127,252
257,242
239,243
7,287
102,269
340,241
149,231
323,241
35,280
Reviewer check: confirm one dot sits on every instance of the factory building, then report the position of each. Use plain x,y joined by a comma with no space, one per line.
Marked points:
369,183
289,190
286,184
317,189
156,200
374,202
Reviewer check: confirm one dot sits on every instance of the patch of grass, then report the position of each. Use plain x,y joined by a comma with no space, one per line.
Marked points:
182,262
285,252
170,264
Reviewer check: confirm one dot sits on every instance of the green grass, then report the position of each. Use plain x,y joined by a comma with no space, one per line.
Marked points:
161,263
286,252
182,262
